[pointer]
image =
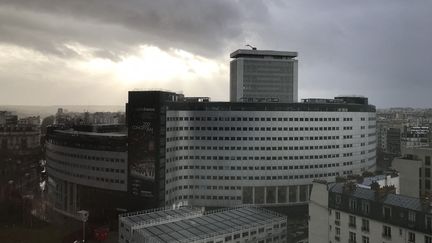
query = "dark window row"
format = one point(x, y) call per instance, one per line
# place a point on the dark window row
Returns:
point(86, 167)
point(225, 178)
point(171, 129)
point(252, 168)
point(275, 119)
point(96, 178)
point(208, 138)
point(197, 157)
point(83, 156)
point(250, 148)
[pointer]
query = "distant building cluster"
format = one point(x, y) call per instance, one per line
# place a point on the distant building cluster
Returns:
point(65, 118)
point(400, 128)
point(8, 118)
point(20, 152)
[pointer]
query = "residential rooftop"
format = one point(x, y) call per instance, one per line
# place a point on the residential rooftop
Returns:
point(390, 199)
point(81, 133)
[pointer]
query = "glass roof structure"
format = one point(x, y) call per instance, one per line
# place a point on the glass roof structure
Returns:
point(190, 224)
point(139, 219)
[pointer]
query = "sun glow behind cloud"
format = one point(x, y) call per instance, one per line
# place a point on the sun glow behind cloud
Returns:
point(91, 77)
point(149, 64)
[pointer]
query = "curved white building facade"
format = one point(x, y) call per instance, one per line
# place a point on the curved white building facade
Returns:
point(95, 168)
point(85, 167)
point(221, 157)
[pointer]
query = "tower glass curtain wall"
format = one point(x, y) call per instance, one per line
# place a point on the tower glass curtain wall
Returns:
point(261, 75)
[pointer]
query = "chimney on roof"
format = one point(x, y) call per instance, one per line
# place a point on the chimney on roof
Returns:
point(426, 201)
point(375, 186)
point(382, 192)
point(349, 187)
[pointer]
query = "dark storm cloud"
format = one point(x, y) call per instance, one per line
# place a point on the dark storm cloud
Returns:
point(202, 27)
point(381, 49)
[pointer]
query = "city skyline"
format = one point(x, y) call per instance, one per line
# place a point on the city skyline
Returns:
point(94, 52)
point(215, 121)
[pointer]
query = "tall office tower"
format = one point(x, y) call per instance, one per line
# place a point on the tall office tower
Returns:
point(263, 75)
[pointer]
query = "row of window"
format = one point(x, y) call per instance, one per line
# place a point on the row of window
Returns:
point(100, 144)
point(81, 176)
point(204, 197)
point(17, 143)
point(254, 168)
point(320, 119)
point(363, 206)
point(260, 200)
point(85, 166)
point(249, 158)
point(202, 187)
point(171, 129)
point(306, 138)
point(240, 178)
point(88, 157)
point(386, 230)
point(254, 195)
point(20, 130)
point(255, 148)
point(352, 224)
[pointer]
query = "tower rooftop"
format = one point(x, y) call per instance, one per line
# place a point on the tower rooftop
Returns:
point(261, 53)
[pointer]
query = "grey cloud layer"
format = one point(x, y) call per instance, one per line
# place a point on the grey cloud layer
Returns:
point(376, 48)
point(381, 49)
point(203, 27)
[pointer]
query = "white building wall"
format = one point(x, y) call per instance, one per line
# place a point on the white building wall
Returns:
point(220, 171)
point(408, 176)
point(391, 181)
point(87, 167)
point(318, 213)
point(415, 169)
point(374, 234)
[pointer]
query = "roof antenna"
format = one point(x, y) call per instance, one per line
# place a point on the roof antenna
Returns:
point(253, 47)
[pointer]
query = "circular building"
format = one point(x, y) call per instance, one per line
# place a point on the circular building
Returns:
point(86, 170)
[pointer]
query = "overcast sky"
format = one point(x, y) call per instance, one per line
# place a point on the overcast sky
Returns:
point(93, 51)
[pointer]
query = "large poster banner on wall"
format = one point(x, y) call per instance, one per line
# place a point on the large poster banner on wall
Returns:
point(142, 150)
